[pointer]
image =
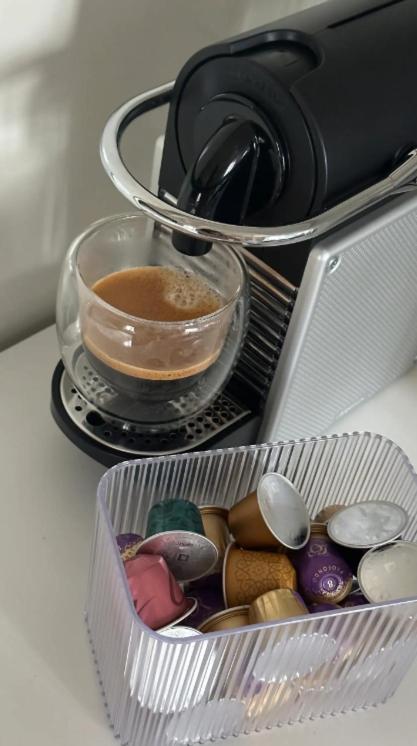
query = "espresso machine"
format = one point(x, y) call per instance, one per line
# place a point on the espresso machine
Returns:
point(294, 146)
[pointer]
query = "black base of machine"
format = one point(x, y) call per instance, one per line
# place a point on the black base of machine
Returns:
point(225, 423)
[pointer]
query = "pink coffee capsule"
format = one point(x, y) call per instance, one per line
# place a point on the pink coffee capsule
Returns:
point(157, 597)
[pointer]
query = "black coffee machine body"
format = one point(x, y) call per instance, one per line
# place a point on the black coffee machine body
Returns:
point(327, 93)
point(294, 142)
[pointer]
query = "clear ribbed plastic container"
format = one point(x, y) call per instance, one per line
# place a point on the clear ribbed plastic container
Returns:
point(167, 691)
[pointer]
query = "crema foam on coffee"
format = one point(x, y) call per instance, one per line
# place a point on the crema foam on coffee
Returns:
point(158, 293)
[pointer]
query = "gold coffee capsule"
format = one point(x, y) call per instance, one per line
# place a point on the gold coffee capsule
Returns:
point(326, 513)
point(247, 525)
point(273, 516)
point(227, 619)
point(318, 528)
point(279, 604)
point(247, 574)
point(216, 529)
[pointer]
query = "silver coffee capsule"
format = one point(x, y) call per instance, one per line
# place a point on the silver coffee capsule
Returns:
point(188, 555)
point(191, 665)
point(367, 524)
point(379, 666)
point(283, 510)
point(294, 658)
point(191, 607)
point(389, 573)
point(179, 632)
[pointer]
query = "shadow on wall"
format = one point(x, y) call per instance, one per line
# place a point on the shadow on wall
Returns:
point(63, 68)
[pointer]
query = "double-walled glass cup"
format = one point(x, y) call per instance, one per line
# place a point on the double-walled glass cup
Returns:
point(147, 370)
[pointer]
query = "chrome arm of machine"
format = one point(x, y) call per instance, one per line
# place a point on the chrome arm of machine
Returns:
point(402, 178)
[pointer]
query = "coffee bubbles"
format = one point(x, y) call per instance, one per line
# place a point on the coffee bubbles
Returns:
point(159, 293)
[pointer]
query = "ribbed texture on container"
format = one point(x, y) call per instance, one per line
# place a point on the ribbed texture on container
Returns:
point(160, 691)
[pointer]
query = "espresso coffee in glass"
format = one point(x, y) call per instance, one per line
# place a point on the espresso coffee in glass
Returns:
point(152, 320)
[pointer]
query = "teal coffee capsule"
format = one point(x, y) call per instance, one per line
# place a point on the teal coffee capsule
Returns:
point(175, 531)
point(174, 515)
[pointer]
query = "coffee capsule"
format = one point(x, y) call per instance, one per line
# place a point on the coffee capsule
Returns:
point(273, 516)
point(279, 604)
point(128, 545)
point(367, 524)
point(318, 527)
point(327, 512)
point(188, 555)
point(179, 632)
point(389, 572)
point(216, 529)
point(247, 574)
point(174, 515)
point(377, 667)
point(320, 608)
point(208, 593)
point(263, 698)
point(175, 531)
point(157, 597)
point(323, 574)
point(351, 556)
point(294, 657)
point(362, 671)
point(192, 664)
point(226, 619)
point(354, 599)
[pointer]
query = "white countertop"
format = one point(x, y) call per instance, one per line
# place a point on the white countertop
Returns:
point(49, 694)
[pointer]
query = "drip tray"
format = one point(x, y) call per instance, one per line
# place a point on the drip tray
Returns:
point(133, 439)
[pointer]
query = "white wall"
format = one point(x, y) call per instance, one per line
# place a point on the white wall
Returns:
point(64, 65)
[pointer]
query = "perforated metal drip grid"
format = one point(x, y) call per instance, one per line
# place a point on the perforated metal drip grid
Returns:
point(134, 438)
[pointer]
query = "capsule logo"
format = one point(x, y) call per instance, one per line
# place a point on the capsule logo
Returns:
point(317, 549)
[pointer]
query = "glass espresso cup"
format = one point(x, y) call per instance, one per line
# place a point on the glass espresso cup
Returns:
point(144, 359)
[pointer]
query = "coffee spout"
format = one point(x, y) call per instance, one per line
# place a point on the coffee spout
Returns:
point(220, 183)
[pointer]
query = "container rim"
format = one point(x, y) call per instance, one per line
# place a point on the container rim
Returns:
point(254, 447)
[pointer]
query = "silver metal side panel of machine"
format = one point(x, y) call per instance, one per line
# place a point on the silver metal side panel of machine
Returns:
point(354, 325)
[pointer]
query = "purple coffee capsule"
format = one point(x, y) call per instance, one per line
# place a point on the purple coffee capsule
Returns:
point(208, 592)
point(323, 575)
point(128, 545)
point(354, 599)
point(317, 608)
